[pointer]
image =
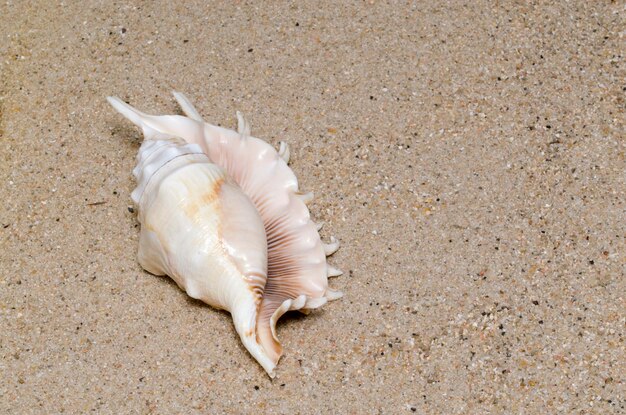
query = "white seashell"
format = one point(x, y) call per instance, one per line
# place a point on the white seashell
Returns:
point(198, 227)
point(297, 268)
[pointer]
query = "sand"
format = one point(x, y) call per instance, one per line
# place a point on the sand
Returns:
point(470, 158)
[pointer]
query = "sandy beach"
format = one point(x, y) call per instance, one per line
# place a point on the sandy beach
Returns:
point(469, 157)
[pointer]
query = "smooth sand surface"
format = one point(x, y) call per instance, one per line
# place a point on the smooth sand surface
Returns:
point(470, 158)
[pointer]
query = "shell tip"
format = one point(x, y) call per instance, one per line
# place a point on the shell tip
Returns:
point(187, 106)
point(333, 295)
point(284, 151)
point(243, 127)
point(332, 247)
point(332, 271)
point(305, 197)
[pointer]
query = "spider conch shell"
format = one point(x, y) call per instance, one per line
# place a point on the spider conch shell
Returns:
point(198, 227)
point(297, 269)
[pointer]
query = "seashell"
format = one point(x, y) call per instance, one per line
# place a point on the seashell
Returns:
point(297, 277)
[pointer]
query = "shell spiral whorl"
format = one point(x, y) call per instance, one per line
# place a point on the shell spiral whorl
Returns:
point(155, 154)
